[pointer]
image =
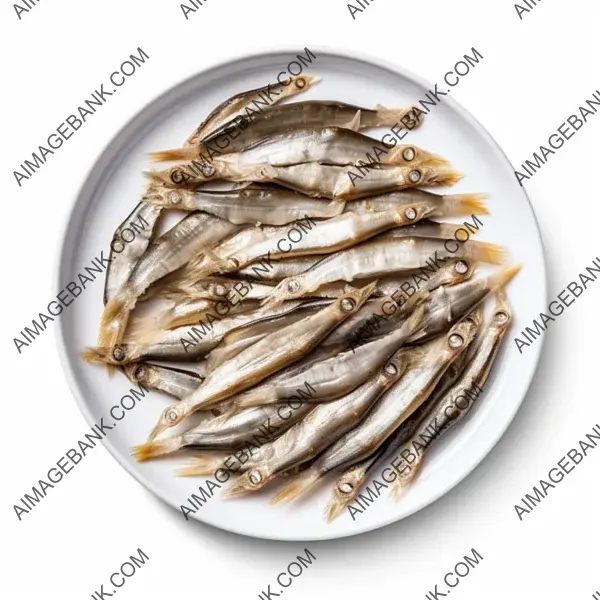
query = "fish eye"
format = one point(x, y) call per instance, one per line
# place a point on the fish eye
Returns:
point(118, 354)
point(176, 175)
point(255, 477)
point(220, 290)
point(501, 317)
point(415, 176)
point(461, 267)
point(410, 213)
point(300, 83)
point(454, 413)
point(391, 369)
point(345, 487)
point(234, 262)
point(139, 372)
point(207, 170)
point(175, 198)
point(455, 341)
point(409, 154)
point(293, 287)
point(348, 304)
point(172, 416)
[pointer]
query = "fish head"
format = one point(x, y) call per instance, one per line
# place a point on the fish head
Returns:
point(458, 339)
point(426, 174)
point(502, 314)
point(140, 373)
point(300, 83)
point(171, 416)
point(415, 156)
point(120, 354)
point(350, 302)
point(169, 197)
point(459, 270)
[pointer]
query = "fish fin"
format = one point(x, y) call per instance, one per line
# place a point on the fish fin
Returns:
point(204, 465)
point(389, 117)
point(300, 485)
point(153, 449)
point(461, 205)
point(488, 253)
point(115, 317)
point(244, 485)
point(187, 153)
point(97, 354)
point(354, 123)
point(501, 278)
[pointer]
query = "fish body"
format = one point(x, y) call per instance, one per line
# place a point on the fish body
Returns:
point(333, 182)
point(124, 254)
point(289, 117)
point(233, 111)
point(448, 205)
point(381, 258)
point(177, 383)
point(327, 145)
point(255, 205)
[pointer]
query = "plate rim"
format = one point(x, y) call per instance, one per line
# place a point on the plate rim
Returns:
point(91, 180)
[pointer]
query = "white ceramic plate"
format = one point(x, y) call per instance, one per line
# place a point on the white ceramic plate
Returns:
point(113, 188)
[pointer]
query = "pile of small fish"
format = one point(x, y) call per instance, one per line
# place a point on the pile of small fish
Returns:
point(349, 297)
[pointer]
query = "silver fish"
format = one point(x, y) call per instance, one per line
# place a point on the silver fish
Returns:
point(254, 205)
point(425, 369)
point(189, 343)
point(178, 383)
point(448, 411)
point(381, 257)
point(327, 145)
point(448, 205)
point(123, 261)
point(288, 117)
point(333, 182)
point(233, 111)
point(264, 358)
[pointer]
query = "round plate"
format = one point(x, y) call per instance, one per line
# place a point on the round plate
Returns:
point(113, 188)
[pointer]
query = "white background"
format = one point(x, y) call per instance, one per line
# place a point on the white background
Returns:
point(535, 74)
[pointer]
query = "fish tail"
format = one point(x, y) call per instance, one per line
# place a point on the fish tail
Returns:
point(245, 485)
point(153, 449)
point(115, 317)
point(387, 117)
point(461, 205)
point(445, 177)
point(204, 465)
point(187, 153)
point(501, 278)
point(488, 253)
point(97, 354)
point(300, 485)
